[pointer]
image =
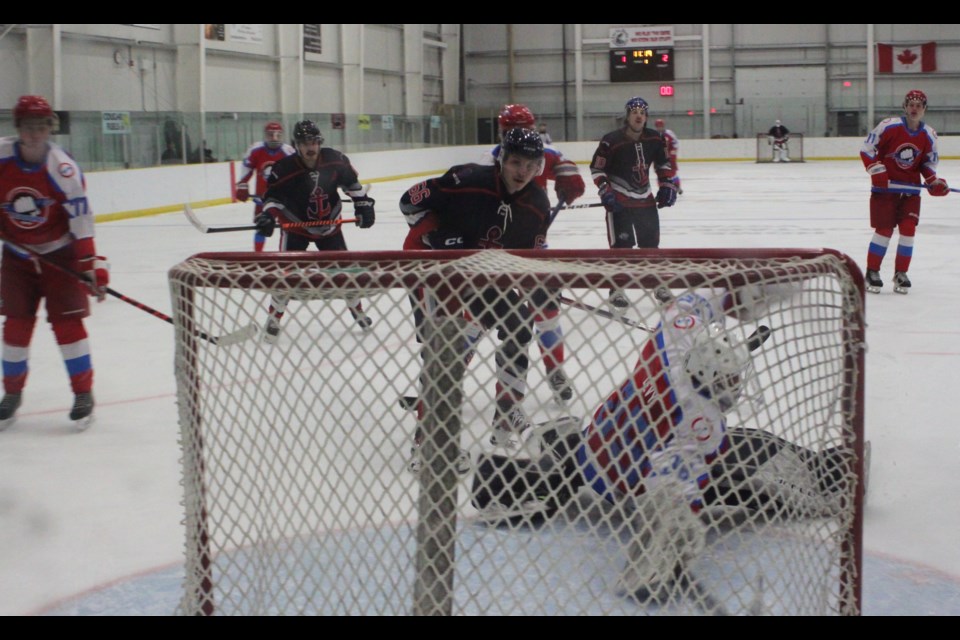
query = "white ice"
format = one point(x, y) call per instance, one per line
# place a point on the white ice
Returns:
point(82, 513)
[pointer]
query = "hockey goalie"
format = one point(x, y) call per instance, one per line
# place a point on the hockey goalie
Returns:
point(658, 450)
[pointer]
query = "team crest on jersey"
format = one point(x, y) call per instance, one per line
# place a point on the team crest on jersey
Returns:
point(906, 155)
point(66, 170)
point(27, 208)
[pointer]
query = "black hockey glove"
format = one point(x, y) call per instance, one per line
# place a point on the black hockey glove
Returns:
point(609, 199)
point(667, 194)
point(266, 223)
point(363, 207)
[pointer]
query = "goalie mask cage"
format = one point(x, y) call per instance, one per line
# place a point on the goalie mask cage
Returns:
point(300, 496)
point(794, 148)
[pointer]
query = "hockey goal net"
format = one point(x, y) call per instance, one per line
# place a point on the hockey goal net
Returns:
point(302, 494)
point(765, 148)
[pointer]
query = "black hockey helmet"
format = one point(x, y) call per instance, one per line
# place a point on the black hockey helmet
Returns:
point(524, 142)
point(307, 131)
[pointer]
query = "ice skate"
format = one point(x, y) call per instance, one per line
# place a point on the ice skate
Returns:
point(512, 430)
point(618, 300)
point(82, 411)
point(663, 295)
point(560, 385)
point(901, 283)
point(362, 319)
point(271, 331)
point(874, 283)
point(463, 463)
point(8, 409)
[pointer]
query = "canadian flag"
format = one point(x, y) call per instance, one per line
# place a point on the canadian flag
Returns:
point(909, 59)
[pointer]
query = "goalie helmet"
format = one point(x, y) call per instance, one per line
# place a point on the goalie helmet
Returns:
point(718, 367)
point(523, 142)
point(33, 107)
point(514, 116)
point(307, 131)
point(916, 95)
point(273, 134)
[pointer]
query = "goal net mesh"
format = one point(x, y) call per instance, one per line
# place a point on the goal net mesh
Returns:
point(303, 492)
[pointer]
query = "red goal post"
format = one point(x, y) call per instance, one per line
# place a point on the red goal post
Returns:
point(794, 148)
point(299, 498)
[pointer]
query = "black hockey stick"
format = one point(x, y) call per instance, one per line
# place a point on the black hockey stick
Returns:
point(82, 277)
point(192, 217)
point(576, 304)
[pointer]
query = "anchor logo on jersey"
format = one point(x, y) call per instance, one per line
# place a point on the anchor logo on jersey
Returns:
point(317, 207)
point(27, 208)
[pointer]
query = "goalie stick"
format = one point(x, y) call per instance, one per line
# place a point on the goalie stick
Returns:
point(231, 338)
point(192, 217)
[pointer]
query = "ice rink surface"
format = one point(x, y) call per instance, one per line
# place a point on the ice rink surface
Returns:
point(90, 524)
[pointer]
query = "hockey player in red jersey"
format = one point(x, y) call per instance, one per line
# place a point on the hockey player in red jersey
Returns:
point(568, 186)
point(497, 206)
point(673, 149)
point(45, 209)
point(904, 150)
point(259, 159)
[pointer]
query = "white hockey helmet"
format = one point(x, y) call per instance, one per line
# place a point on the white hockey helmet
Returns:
point(718, 366)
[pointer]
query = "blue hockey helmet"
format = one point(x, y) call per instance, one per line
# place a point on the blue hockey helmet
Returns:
point(636, 102)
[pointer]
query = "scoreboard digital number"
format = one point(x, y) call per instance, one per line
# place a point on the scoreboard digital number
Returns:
point(641, 65)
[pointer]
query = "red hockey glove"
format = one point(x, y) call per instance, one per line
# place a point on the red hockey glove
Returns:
point(569, 188)
point(878, 176)
point(243, 191)
point(97, 272)
point(937, 186)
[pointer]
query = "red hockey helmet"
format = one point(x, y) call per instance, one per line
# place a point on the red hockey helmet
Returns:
point(915, 94)
point(33, 107)
point(659, 123)
point(513, 116)
point(273, 134)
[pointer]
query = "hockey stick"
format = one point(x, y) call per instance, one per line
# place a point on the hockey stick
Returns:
point(192, 217)
point(915, 186)
point(576, 304)
point(235, 337)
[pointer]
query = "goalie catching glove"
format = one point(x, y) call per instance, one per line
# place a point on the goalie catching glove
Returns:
point(363, 208)
point(937, 186)
point(667, 194)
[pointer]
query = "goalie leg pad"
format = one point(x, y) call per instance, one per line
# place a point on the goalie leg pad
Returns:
point(665, 538)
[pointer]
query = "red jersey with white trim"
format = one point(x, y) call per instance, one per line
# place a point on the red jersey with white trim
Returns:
point(261, 158)
point(908, 155)
point(673, 146)
point(43, 206)
point(656, 426)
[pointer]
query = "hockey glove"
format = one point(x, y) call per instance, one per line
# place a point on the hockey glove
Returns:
point(937, 186)
point(569, 188)
point(440, 239)
point(363, 207)
point(667, 194)
point(609, 199)
point(97, 273)
point(878, 176)
point(243, 191)
point(266, 223)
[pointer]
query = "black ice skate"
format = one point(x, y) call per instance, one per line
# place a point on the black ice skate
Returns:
point(82, 411)
point(901, 283)
point(561, 387)
point(8, 409)
point(874, 283)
